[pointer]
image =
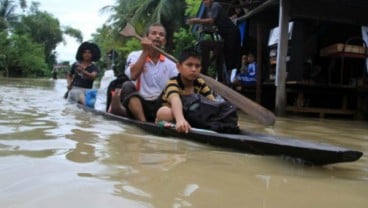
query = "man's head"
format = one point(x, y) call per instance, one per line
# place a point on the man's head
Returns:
point(157, 34)
point(189, 64)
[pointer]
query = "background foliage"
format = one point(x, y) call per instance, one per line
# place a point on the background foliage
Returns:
point(29, 38)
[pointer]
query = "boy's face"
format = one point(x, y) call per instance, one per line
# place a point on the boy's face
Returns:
point(190, 68)
point(250, 58)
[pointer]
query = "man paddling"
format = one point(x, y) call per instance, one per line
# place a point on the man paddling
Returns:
point(150, 70)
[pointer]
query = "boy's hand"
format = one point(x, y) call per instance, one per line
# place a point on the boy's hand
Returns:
point(182, 126)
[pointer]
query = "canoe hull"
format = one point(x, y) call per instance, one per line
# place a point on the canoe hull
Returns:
point(312, 153)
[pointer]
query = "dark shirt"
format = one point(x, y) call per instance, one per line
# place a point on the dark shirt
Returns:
point(79, 80)
point(221, 19)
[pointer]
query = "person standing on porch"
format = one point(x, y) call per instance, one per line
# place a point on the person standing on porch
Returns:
point(215, 15)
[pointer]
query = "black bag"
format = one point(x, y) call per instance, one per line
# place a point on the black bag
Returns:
point(204, 113)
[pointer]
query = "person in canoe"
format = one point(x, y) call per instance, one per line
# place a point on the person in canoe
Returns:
point(188, 101)
point(83, 72)
point(149, 70)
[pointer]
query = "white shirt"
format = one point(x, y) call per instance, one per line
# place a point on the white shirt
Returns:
point(102, 91)
point(154, 77)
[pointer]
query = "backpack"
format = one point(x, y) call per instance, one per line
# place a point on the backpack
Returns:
point(204, 113)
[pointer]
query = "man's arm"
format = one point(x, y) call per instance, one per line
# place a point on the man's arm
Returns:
point(202, 21)
point(137, 67)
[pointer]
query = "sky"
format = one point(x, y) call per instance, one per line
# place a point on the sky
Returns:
point(84, 15)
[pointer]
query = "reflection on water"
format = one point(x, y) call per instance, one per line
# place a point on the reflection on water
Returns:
point(53, 154)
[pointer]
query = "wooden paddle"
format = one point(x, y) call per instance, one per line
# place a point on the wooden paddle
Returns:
point(244, 104)
point(69, 88)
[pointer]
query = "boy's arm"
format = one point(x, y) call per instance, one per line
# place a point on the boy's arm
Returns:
point(182, 125)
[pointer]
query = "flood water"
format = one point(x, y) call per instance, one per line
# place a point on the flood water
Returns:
point(53, 154)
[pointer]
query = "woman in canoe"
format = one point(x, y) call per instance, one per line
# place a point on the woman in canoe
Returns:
point(83, 73)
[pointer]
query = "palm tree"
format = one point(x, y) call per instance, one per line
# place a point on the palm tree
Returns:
point(141, 13)
point(8, 17)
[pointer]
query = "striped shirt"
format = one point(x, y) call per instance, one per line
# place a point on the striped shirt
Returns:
point(176, 86)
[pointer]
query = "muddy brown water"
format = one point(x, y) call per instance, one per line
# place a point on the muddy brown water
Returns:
point(53, 154)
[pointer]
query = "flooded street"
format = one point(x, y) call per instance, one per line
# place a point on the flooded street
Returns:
point(53, 154)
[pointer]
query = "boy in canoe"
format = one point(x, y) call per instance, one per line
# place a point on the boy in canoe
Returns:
point(188, 101)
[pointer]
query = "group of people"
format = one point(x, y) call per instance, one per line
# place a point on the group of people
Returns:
point(247, 72)
point(154, 86)
point(240, 70)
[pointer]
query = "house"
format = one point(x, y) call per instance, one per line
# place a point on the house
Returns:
point(316, 62)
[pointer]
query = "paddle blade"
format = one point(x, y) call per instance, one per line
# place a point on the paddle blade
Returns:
point(244, 104)
point(66, 95)
point(128, 31)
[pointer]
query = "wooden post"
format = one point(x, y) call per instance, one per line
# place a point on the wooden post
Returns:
point(282, 48)
point(259, 63)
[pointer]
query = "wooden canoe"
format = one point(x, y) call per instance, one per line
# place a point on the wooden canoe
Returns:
point(307, 152)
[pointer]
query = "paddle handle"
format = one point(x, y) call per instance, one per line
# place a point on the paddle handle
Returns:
point(66, 94)
point(69, 88)
point(172, 58)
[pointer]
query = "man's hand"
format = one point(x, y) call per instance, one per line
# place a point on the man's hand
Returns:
point(193, 21)
point(146, 44)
